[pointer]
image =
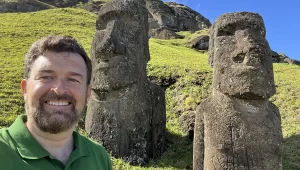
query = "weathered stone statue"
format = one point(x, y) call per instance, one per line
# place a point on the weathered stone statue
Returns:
point(126, 112)
point(237, 127)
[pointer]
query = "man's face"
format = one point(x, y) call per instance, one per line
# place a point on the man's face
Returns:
point(242, 60)
point(56, 91)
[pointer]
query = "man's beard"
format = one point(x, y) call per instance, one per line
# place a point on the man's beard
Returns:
point(55, 121)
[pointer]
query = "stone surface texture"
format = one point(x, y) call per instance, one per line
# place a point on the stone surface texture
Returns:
point(237, 127)
point(282, 58)
point(200, 43)
point(94, 6)
point(126, 112)
point(243, 66)
point(22, 6)
point(176, 16)
point(64, 3)
point(165, 33)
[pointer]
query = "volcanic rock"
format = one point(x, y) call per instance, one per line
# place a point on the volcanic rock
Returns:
point(126, 112)
point(237, 127)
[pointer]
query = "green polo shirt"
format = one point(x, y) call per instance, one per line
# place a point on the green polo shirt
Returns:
point(20, 151)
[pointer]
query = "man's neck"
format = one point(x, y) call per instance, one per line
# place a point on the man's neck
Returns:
point(58, 145)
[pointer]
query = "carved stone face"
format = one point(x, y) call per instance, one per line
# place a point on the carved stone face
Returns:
point(241, 56)
point(119, 50)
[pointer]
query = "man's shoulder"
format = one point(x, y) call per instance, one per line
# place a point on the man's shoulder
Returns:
point(93, 146)
point(4, 135)
point(8, 153)
point(3, 130)
point(96, 152)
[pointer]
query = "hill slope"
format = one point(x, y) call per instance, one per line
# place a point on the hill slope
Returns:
point(183, 71)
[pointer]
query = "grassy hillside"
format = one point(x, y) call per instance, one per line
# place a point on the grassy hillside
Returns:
point(21, 5)
point(18, 32)
point(185, 71)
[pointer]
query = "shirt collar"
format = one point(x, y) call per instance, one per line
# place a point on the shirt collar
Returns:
point(80, 146)
point(29, 148)
point(26, 145)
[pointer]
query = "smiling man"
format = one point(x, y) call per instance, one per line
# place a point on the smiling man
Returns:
point(56, 89)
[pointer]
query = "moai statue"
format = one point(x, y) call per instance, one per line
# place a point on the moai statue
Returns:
point(237, 127)
point(126, 113)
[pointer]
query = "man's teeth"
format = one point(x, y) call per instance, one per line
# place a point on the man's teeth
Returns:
point(58, 103)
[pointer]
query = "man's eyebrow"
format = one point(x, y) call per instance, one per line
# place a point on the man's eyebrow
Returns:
point(45, 71)
point(76, 74)
point(71, 73)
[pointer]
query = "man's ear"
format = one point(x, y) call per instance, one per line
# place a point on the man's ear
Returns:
point(89, 92)
point(23, 86)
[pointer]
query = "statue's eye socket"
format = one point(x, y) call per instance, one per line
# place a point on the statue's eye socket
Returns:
point(226, 32)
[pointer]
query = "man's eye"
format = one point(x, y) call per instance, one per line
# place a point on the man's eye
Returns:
point(46, 78)
point(73, 80)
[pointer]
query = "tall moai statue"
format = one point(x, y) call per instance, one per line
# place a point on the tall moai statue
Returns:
point(126, 112)
point(237, 127)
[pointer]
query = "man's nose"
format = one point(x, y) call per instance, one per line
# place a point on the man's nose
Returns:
point(60, 87)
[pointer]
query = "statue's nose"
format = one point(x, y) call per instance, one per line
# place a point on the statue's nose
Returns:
point(249, 48)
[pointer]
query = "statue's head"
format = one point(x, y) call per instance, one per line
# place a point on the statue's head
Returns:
point(120, 47)
point(241, 56)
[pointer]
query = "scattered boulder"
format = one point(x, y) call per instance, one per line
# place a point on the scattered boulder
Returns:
point(187, 122)
point(94, 6)
point(188, 19)
point(153, 24)
point(165, 33)
point(23, 6)
point(291, 61)
point(200, 43)
point(176, 16)
point(286, 59)
point(163, 82)
point(36, 5)
point(276, 58)
point(282, 58)
point(64, 3)
point(126, 112)
point(237, 127)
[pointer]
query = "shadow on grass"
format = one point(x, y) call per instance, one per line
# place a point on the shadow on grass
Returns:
point(291, 153)
point(178, 154)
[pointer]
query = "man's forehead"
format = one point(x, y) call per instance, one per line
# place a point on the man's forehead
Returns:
point(59, 54)
point(59, 59)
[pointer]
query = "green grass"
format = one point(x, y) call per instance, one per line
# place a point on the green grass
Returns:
point(18, 32)
point(170, 59)
point(287, 99)
point(174, 59)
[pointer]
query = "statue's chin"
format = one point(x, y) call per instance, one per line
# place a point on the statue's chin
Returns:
point(250, 95)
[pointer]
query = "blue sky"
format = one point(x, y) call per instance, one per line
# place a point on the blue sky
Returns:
point(281, 17)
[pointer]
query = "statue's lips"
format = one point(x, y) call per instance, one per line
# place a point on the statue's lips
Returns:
point(241, 69)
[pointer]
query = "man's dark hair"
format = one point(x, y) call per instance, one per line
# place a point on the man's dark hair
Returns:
point(56, 43)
